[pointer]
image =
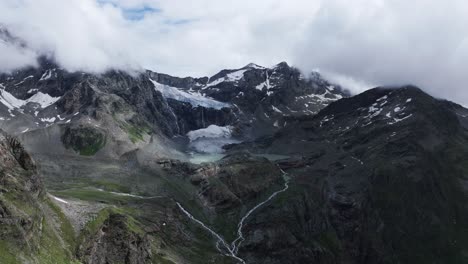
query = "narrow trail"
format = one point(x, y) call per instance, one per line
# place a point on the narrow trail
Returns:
point(130, 195)
point(232, 249)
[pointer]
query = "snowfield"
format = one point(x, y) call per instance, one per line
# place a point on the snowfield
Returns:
point(43, 99)
point(11, 102)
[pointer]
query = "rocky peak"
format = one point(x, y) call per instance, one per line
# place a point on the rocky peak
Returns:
point(281, 65)
point(390, 106)
point(253, 66)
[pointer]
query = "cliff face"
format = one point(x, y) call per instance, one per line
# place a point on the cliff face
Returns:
point(28, 234)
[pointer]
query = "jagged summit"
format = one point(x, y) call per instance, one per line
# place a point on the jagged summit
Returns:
point(253, 66)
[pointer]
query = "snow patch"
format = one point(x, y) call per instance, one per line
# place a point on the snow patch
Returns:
point(10, 101)
point(382, 98)
point(230, 77)
point(321, 97)
point(235, 76)
point(59, 200)
point(261, 86)
point(325, 119)
point(30, 76)
point(396, 120)
point(358, 160)
point(276, 109)
point(49, 120)
point(47, 75)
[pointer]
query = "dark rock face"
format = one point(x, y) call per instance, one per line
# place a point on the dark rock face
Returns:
point(20, 191)
point(193, 118)
point(235, 180)
point(15, 160)
point(115, 242)
point(377, 178)
point(139, 92)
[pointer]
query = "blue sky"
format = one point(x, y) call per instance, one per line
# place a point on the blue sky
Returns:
point(134, 12)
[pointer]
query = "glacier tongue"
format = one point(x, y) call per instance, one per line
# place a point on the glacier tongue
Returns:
point(212, 131)
point(211, 139)
point(195, 99)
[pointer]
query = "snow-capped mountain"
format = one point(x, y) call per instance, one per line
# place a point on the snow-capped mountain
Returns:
point(262, 96)
point(254, 101)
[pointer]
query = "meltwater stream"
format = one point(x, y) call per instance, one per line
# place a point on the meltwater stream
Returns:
point(233, 249)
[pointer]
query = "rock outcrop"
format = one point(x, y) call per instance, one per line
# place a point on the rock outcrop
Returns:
point(117, 240)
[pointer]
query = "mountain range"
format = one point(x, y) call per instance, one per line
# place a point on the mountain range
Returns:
point(251, 165)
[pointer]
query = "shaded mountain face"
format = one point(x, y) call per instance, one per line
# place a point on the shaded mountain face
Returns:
point(378, 178)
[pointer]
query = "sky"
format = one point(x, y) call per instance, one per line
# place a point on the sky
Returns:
point(358, 44)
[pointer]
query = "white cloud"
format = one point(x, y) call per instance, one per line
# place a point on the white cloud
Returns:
point(13, 57)
point(424, 42)
point(392, 42)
